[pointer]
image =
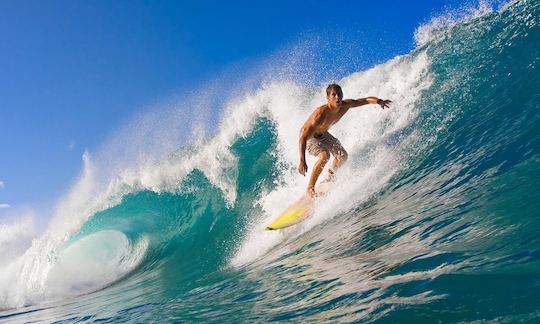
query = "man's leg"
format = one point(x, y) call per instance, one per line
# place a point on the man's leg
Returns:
point(324, 156)
point(340, 157)
point(334, 147)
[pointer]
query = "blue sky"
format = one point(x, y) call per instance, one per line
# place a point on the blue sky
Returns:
point(71, 72)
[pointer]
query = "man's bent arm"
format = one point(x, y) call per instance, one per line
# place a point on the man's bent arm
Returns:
point(302, 142)
point(305, 132)
point(302, 146)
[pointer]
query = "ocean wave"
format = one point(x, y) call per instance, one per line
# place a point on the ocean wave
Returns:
point(439, 191)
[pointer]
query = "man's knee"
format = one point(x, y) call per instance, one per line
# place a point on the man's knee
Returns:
point(324, 156)
point(342, 156)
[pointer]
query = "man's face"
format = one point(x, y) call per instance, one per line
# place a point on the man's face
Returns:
point(334, 97)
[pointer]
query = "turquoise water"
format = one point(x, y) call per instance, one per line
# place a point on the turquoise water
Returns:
point(434, 219)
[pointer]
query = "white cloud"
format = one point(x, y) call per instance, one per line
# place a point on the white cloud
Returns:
point(1, 184)
point(71, 145)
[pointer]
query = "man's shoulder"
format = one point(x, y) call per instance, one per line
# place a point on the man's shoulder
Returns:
point(319, 111)
point(321, 108)
point(316, 115)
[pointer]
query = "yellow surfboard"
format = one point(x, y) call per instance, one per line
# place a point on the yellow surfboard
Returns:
point(299, 210)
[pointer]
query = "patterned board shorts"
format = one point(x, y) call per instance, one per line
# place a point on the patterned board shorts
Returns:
point(324, 142)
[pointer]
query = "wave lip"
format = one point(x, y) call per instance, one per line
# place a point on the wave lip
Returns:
point(86, 265)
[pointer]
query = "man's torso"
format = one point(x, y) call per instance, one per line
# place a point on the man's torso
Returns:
point(324, 118)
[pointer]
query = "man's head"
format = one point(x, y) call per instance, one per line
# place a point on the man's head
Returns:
point(334, 94)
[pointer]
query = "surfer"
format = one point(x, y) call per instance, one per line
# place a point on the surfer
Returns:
point(319, 142)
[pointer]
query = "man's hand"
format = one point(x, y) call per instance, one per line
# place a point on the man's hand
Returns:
point(302, 167)
point(384, 103)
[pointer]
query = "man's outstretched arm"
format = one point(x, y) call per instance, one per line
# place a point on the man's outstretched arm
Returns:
point(352, 103)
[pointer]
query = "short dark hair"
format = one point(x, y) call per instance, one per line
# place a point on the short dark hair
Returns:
point(333, 86)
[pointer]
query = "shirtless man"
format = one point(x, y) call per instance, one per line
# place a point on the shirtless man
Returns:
point(314, 134)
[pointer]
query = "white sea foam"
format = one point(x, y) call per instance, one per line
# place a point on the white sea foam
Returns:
point(16, 236)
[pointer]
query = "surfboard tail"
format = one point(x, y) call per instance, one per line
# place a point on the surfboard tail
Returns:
point(298, 211)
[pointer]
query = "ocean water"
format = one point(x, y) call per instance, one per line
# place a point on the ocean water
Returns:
point(435, 217)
